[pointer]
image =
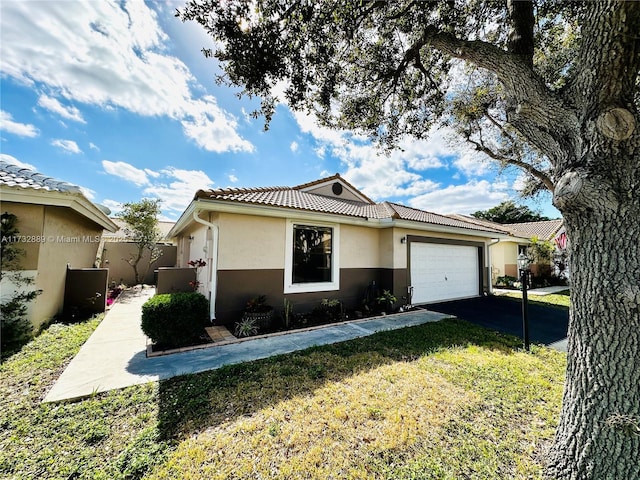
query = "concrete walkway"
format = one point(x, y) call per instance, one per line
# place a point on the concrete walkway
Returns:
point(115, 354)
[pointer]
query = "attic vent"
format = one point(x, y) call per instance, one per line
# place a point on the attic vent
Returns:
point(336, 188)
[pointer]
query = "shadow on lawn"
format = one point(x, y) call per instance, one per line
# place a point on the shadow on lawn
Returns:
point(193, 403)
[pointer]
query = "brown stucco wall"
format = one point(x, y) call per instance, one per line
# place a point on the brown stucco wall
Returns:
point(235, 287)
point(172, 280)
point(84, 292)
point(115, 256)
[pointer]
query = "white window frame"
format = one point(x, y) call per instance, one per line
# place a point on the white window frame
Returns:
point(334, 284)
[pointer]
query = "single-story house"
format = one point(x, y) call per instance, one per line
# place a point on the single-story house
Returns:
point(326, 239)
point(59, 228)
point(117, 248)
point(505, 252)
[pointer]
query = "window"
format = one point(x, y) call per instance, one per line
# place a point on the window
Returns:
point(311, 258)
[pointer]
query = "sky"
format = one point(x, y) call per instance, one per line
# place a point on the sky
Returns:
point(117, 98)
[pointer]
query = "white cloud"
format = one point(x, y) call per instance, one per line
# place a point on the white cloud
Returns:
point(93, 146)
point(472, 163)
point(211, 128)
point(14, 161)
point(465, 199)
point(233, 178)
point(294, 146)
point(152, 173)
point(66, 145)
point(174, 186)
point(87, 192)
point(53, 105)
point(179, 188)
point(21, 129)
point(112, 205)
point(113, 55)
point(380, 176)
point(126, 171)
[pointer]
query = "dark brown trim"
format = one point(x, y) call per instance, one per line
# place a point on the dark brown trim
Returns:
point(235, 287)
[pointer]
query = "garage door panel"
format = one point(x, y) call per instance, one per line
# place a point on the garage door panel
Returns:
point(443, 272)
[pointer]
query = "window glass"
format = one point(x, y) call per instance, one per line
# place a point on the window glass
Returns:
point(312, 250)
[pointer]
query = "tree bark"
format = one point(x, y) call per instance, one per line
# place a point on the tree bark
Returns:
point(590, 133)
point(598, 436)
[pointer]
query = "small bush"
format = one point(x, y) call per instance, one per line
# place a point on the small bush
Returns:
point(175, 319)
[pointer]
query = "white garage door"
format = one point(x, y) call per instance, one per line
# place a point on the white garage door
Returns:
point(443, 272)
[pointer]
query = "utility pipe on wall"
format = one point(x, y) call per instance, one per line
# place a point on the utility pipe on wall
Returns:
point(213, 252)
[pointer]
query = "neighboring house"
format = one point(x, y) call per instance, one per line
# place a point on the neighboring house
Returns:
point(549, 230)
point(59, 228)
point(326, 239)
point(118, 247)
point(505, 252)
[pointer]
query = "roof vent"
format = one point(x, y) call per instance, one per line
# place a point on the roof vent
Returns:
point(336, 188)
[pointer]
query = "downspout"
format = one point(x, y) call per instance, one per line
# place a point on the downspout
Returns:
point(495, 241)
point(213, 281)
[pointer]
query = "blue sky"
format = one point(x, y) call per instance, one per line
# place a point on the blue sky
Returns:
point(117, 97)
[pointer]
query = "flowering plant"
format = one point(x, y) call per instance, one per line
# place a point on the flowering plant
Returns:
point(195, 284)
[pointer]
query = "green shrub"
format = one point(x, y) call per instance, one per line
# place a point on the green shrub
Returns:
point(175, 319)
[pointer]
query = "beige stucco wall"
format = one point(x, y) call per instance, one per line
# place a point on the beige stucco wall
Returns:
point(498, 252)
point(359, 247)
point(250, 242)
point(327, 190)
point(506, 263)
point(71, 239)
point(30, 224)
point(115, 256)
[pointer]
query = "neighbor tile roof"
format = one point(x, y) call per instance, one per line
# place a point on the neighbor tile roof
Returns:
point(15, 176)
point(478, 221)
point(544, 229)
point(292, 197)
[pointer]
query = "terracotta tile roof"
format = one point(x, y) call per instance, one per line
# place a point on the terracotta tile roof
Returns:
point(292, 197)
point(480, 222)
point(545, 229)
point(15, 176)
point(408, 213)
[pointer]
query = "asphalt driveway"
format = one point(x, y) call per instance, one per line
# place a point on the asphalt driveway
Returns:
point(547, 324)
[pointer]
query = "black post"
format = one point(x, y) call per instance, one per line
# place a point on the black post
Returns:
point(525, 312)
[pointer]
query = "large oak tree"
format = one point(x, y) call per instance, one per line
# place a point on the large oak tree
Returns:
point(555, 92)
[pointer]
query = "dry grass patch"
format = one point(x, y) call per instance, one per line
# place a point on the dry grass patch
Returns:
point(473, 411)
point(335, 432)
point(447, 400)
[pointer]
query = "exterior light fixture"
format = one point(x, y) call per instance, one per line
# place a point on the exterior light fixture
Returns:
point(523, 268)
point(403, 240)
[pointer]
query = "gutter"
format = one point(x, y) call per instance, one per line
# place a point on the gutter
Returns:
point(212, 250)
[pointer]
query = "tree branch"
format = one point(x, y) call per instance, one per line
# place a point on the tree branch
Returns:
point(542, 117)
point(543, 177)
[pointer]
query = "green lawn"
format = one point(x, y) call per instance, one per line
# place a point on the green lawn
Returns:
point(446, 400)
point(560, 299)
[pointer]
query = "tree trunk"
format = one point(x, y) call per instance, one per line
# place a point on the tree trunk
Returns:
point(599, 432)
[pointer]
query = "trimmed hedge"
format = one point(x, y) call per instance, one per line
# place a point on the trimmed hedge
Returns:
point(175, 319)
